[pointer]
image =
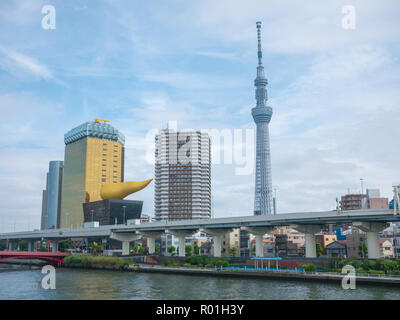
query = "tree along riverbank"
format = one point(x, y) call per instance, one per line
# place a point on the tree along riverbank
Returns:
point(98, 262)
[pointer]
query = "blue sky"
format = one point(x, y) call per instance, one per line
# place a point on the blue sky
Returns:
point(139, 64)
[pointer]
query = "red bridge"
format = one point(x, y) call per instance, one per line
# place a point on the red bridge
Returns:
point(49, 256)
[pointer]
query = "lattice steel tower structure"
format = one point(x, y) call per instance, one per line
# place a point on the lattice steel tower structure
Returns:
point(262, 116)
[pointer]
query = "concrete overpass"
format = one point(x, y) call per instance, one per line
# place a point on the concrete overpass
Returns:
point(372, 221)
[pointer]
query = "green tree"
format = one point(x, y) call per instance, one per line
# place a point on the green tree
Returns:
point(2, 245)
point(196, 249)
point(188, 251)
point(157, 249)
point(318, 248)
point(142, 250)
point(96, 247)
point(172, 250)
point(253, 250)
point(65, 245)
point(22, 245)
point(309, 267)
point(363, 249)
point(233, 251)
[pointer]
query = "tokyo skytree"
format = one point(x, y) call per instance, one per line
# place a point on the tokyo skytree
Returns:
point(262, 116)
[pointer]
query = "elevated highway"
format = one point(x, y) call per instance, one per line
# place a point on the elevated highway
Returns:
point(372, 221)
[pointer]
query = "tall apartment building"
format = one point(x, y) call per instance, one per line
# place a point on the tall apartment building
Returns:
point(51, 201)
point(182, 175)
point(94, 155)
point(354, 201)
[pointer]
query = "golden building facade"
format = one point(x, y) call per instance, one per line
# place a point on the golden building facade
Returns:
point(94, 155)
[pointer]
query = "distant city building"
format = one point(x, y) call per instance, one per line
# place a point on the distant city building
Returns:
point(145, 218)
point(44, 204)
point(51, 201)
point(94, 155)
point(373, 193)
point(339, 234)
point(370, 200)
point(375, 201)
point(262, 114)
point(378, 203)
point(354, 202)
point(182, 175)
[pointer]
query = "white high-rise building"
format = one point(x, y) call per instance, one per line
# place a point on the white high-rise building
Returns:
point(182, 175)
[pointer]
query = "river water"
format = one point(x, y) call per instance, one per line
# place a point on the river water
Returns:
point(99, 284)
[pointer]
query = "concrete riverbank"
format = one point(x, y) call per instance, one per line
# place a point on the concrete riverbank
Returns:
point(318, 277)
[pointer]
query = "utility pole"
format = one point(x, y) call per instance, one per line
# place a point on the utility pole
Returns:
point(274, 202)
point(396, 199)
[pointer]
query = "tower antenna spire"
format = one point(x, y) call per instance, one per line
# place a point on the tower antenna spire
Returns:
point(259, 53)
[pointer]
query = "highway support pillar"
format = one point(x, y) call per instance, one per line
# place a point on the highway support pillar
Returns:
point(151, 239)
point(372, 229)
point(10, 245)
point(30, 245)
point(309, 236)
point(54, 245)
point(259, 232)
point(182, 234)
point(125, 238)
point(217, 238)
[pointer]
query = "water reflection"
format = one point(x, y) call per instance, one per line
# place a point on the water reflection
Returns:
point(98, 284)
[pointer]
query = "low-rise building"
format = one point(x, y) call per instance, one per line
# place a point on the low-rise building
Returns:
point(230, 240)
point(386, 248)
point(206, 249)
point(203, 243)
point(396, 246)
point(354, 237)
point(325, 240)
point(269, 247)
point(336, 249)
point(288, 242)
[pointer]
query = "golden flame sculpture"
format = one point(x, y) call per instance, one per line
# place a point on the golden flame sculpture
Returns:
point(123, 189)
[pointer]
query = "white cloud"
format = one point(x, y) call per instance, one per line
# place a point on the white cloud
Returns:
point(20, 65)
